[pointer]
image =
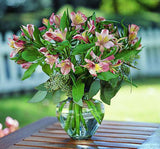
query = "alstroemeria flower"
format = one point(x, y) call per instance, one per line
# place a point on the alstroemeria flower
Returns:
point(1, 131)
point(78, 19)
point(45, 21)
point(43, 50)
point(16, 44)
point(96, 68)
point(11, 123)
point(26, 65)
point(104, 40)
point(91, 26)
point(30, 29)
point(82, 36)
point(56, 35)
point(134, 41)
point(99, 66)
point(42, 28)
point(56, 19)
point(99, 19)
point(133, 30)
point(51, 59)
point(66, 66)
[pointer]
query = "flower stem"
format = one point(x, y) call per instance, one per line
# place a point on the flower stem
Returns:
point(60, 110)
point(82, 119)
point(77, 117)
point(93, 111)
point(69, 117)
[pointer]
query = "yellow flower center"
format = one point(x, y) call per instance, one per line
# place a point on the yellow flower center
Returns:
point(78, 19)
point(97, 67)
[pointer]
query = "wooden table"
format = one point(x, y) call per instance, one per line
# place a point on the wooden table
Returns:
point(47, 133)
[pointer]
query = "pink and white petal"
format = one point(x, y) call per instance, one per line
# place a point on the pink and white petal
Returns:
point(1, 126)
point(109, 58)
point(109, 44)
point(13, 53)
point(93, 72)
point(104, 33)
point(104, 66)
point(51, 19)
point(65, 70)
point(6, 131)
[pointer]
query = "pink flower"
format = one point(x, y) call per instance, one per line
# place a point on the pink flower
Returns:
point(11, 122)
point(43, 50)
point(1, 134)
point(91, 26)
point(66, 66)
point(134, 41)
point(82, 36)
point(99, 19)
point(56, 19)
point(26, 65)
point(29, 29)
point(6, 131)
point(133, 30)
point(96, 68)
point(42, 28)
point(104, 40)
point(78, 19)
point(51, 59)
point(16, 44)
point(56, 35)
point(99, 66)
point(45, 21)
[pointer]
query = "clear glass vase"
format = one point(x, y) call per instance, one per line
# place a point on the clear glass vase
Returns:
point(80, 122)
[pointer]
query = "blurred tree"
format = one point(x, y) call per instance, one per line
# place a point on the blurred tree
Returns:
point(129, 7)
point(149, 7)
point(95, 4)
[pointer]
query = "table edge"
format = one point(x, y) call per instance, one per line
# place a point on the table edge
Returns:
point(9, 140)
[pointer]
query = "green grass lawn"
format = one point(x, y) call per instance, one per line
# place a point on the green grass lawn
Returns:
point(130, 104)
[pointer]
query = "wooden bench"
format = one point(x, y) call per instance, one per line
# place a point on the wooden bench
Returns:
point(47, 133)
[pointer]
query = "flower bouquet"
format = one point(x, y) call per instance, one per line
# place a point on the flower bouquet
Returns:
point(82, 56)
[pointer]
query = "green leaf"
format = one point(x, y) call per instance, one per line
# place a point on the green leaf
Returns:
point(58, 96)
point(95, 86)
point(111, 53)
point(36, 35)
point(63, 22)
point(39, 96)
point(82, 48)
point(29, 71)
point(78, 92)
point(30, 55)
point(126, 55)
point(46, 68)
point(26, 33)
point(79, 70)
point(41, 87)
point(94, 17)
point(65, 43)
point(106, 76)
point(108, 91)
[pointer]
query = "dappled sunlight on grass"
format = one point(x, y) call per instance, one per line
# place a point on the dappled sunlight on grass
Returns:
point(130, 104)
point(138, 104)
point(24, 112)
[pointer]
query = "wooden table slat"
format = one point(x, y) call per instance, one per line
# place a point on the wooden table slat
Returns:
point(61, 145)
point(118, 127)
point(94, 139)
point(47, 133)
point(131, 136)
point(127, 123)
point(102, 131)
